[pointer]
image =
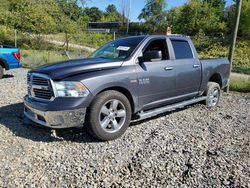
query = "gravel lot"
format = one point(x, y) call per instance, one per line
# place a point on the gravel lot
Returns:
point(192, 147)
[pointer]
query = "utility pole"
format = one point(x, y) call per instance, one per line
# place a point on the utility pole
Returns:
point(234, 36)
point(123, 11)
point(15, 31)
point(129, 7)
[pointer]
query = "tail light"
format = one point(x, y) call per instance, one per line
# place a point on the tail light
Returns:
point(17, 55)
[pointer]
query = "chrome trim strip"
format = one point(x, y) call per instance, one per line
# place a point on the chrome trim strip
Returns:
point(40, 87)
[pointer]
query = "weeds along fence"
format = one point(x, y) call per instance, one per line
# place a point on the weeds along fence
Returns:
point(42, 41)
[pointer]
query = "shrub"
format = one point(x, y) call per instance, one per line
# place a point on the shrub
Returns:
point(92, 39)
point(209, 47)
point(6, 35)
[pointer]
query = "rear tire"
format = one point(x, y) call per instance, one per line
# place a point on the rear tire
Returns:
point(213, 93)
point(109, 115)
point(1, 72)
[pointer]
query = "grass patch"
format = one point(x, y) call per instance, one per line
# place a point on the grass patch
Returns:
point(244, 69)
point(239, 84)
point(35, 58)
point(94, 40)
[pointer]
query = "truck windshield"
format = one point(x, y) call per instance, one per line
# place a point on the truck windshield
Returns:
point(118, 49)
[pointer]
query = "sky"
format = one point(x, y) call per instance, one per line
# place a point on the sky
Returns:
point(136, 5)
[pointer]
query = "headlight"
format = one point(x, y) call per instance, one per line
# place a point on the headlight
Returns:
point(70, 89)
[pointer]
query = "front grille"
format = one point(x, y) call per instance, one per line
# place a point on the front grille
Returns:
point(39, 81)
point(28, 78)
point(43, 94)
point(39, 86)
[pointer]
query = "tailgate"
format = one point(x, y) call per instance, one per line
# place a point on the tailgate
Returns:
point(11, 56)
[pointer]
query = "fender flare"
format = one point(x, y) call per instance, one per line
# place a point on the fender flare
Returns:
point(217, 78)
point(124, 90)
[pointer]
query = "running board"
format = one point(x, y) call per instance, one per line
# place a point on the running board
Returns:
point(144, 115)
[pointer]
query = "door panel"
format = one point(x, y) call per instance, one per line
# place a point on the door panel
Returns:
point(188, 70)
point(188, 77)
point(156, 82)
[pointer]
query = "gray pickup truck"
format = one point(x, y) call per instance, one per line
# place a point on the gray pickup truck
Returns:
point(127, 79)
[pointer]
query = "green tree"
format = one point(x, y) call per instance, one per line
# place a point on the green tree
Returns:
point(69, 17)
point(33, 16)
point(195, 16)
point(69, 28)
point(154, 15)
point(244, 27)
point(217, 5)
point(4, 5)
point(111, 14)
point(174, 17)
point(70, 8)
point(111, 8)
point(4, 12)
point(94, 14)
point(245, 18)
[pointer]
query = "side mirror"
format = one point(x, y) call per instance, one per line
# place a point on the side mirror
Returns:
point(154, 55)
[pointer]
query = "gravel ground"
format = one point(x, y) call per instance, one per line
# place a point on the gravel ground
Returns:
point(192, 147)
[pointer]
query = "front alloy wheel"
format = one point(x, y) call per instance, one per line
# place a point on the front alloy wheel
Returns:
point(112, 116)
point(109, 115)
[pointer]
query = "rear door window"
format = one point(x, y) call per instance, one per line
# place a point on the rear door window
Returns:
point(182, 49)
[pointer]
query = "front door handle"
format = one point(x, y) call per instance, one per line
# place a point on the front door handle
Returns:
point(196, 66)
point(168, 68)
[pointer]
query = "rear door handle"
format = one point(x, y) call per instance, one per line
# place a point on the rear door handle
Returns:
point(196, 66)
point(168, 68)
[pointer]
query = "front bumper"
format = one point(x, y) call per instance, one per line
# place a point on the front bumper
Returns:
point(55, 119)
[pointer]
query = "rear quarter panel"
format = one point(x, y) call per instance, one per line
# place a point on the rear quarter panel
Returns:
point(211, 67)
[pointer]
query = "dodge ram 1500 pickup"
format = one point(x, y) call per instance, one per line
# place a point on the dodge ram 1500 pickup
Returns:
point(9, 58)
point(127, 79)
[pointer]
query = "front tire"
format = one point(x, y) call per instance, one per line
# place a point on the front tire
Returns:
point(213, 93)
point(1, 72)
point(109, 115)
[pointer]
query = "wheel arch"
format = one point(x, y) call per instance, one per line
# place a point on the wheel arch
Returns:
point(216, 77)
point(125, 92)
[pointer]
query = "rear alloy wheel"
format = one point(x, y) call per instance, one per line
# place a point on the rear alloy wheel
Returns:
point(109, 115)
point(213, 94)
point(1, 72)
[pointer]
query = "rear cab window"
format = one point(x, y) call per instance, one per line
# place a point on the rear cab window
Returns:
point(182, 49)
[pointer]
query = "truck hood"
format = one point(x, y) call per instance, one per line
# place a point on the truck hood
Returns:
point(68, 68)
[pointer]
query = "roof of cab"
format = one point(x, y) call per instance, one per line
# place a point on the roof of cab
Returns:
point(176, 36)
